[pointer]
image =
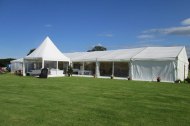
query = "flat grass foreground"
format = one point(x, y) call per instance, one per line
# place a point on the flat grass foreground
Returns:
point(28, 101)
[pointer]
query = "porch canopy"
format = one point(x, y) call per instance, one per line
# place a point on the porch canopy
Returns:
point(46, 52)
point(16, 65)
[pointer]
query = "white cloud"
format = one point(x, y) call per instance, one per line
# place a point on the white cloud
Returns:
point(178, 30)
point(186, 22)
point(158, 33)
point(106, 35)
point(48, 25)
point(182, 30)
point(145, 36)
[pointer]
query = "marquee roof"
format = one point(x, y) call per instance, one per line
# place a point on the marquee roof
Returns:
point(146, 53)
point(158, 53)
point(48, 51)
point(17, 60)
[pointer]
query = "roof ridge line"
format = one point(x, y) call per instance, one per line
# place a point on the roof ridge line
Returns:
point(180, 51)
point(138, 52)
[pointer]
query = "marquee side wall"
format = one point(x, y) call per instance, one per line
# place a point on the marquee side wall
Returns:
point(151, 70)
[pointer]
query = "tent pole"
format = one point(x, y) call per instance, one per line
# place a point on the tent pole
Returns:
point(23, 68)
point(71, 64)
point(97, 69)
point(83, 68)
point(42, 63)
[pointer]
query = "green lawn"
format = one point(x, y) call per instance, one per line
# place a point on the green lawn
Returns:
point(28, 101)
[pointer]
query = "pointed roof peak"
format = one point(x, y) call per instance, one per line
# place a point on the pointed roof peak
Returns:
point(47, 39)
point(48, 51)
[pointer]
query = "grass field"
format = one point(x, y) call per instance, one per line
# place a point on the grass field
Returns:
point(27, 101)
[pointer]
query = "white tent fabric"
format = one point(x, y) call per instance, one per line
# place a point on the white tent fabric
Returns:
point(182, 65)
point(45, 54)
point(147, 53)
point(48, 51)
point(165, 62)
point(151, 70)
point(17, 60)
point(112, 55)
point(149, 63)
point(16, 65)
point(158, 53)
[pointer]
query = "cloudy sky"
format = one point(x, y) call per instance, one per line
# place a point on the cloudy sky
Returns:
point(78, 25)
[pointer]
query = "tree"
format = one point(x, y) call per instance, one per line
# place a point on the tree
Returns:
point(5, 62)
point(32, 50)
point(97, 48)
